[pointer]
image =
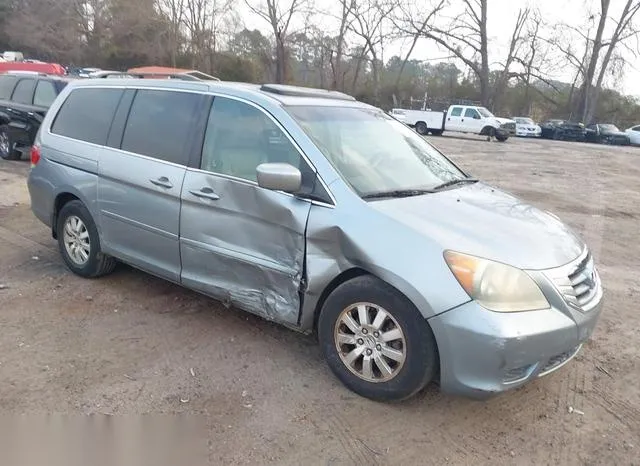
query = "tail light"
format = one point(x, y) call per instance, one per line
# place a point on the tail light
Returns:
point(35, 155)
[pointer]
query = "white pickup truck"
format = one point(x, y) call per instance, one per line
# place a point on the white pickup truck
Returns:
point(459, 118)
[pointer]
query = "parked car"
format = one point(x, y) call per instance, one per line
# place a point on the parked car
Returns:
point(32, 67)
point(607, 134)
point(268, 198)
point(634, 135)
point(525, 127)
point(24, 100)
point(462, 119)
point(562, 129)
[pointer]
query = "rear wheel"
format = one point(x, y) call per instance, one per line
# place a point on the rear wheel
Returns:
point(421, 128)
point(79, 242)
point(7, 151)
point(375, 341)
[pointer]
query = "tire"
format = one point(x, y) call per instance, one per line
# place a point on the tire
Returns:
point(502, 138)
point(421, 128)
point(6, 145)
point(436, 132)
point(81, 234)
point(415, 355)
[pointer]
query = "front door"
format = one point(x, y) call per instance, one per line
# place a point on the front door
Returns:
point(240, 243)
point(21, 112)
point(472, 120)
point(140, 183)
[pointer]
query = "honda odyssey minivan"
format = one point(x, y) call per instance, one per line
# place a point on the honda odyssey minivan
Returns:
point(324, 214)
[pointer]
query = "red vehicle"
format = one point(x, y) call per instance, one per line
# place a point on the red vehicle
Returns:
point(46, 68)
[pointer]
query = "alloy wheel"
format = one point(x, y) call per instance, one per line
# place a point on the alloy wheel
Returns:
point(76, 240)
point(370, 342)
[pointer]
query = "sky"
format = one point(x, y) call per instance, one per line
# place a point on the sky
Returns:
point(502, 15)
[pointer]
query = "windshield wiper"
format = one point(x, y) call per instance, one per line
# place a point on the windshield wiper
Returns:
point(396, 193)
point(453, 183)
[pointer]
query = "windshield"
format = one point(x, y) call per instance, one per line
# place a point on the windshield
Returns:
point(485, 113)
point(524, 121)
point(373, 152)
point(609, 128)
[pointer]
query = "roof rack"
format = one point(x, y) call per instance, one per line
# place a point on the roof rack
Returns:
point(298, 91)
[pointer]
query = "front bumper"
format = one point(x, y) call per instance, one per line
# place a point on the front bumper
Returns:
point(529, 134)
point(483, 353)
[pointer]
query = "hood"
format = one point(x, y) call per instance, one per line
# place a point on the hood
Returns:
point(504, 120)
point(480, 220)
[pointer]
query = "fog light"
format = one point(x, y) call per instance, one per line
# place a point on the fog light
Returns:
point(517, 374)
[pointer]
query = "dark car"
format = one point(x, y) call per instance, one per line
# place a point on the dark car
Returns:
point(607, 134)
point(25, 98)
point(562, 129)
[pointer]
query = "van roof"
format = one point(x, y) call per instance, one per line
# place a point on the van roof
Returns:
point(284, 94)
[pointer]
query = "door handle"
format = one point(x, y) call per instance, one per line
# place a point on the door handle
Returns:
point(205, 193)
point(163, 181)
point(30, 113)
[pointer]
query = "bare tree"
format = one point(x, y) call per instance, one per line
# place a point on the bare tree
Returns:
point(336, 56)
point(592, 59)
point(279, 17)
point(369, 17)
point(174, 11)
point(415, 26)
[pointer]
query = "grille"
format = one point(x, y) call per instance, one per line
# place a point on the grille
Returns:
point(578, 282)
point(557, 361)
point(509, 126)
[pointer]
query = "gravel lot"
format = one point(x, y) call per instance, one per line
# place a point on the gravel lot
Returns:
point(130, 343)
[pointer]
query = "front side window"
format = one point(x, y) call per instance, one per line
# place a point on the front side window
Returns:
point(86, 114)
point(45, 94)
point(7, 84)
point(240, 137)
point(471, 113)
point(23, 93)
point(373, 152)
point(636, 128)
point(160, 125)
point(456, 111)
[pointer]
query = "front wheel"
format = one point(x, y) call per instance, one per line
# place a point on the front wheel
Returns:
point(375, 340)
point(501, 138)
point(79, 242)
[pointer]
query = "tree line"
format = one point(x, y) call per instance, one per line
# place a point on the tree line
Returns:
point(345, 46)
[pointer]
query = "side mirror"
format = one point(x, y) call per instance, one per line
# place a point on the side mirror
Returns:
point(279, 177)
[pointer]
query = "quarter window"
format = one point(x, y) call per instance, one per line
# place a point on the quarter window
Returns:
point(45, 94)
point(7, 84)
point(240, 137)
point(86, 115)
point(23, 93)
point(457, 111)
point(160, 125)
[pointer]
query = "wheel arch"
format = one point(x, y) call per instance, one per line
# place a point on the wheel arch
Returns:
point(486, 130)
point(60, 201)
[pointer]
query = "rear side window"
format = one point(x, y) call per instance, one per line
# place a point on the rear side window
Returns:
point(457, 111)
point(45, 94)
point(7, 84)
point(23, 93)
point(86, 114)
point(160, 124)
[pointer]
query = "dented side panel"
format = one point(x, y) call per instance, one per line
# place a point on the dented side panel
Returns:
point(246, 248)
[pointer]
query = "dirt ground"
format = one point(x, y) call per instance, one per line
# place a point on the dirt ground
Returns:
point(130, 343)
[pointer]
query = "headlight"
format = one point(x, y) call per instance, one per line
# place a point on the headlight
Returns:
point(497, 287)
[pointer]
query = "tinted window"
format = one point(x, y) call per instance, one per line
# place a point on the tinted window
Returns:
point(240, 137)
point(23, 92)
point(45, 94)
point(86, 114)
point(637, 128)
point(471, 113)
point(7, 83)
point(457, 111)
point(159, 125)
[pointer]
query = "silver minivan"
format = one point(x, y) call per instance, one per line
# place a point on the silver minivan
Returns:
point(324, 214)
